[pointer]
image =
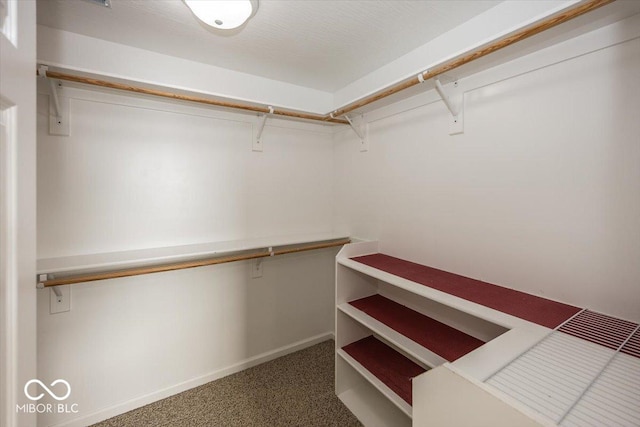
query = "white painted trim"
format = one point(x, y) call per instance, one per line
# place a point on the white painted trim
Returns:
point(138, 402)
point(9, 271)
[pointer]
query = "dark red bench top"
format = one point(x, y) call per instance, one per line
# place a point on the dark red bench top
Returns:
point(535, 309)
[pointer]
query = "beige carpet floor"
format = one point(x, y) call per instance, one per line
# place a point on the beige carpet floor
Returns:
point(294, 390)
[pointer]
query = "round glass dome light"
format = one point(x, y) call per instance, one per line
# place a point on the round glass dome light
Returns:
point(223, 14)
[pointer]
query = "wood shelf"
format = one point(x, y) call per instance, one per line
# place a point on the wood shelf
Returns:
point(385, 368)
point(433, 336)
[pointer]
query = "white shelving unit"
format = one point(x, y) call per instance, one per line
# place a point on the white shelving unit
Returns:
point(368, 396)
point(392, 329)
point(410, 347)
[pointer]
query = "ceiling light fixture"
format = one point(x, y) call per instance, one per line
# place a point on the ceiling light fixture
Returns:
point(223, 14)
point(105, 3)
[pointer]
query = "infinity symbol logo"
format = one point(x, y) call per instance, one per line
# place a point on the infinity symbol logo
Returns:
point(52, 394)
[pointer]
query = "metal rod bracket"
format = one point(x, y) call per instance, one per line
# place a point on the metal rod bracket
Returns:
point(257, 142)
point(58, 105)
point(59, 295)
point(56, 290)
point(455, 106)
point(42, 278)
point(362, 131)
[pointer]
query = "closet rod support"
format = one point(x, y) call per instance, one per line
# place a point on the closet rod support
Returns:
point(53, 90)
point(42, 278)
point(455, 107)
point(445, 98)
point(355, 129)
point(56, 290)
point(58, 105)
point(257, 143)
point(40, 281)
point(361, 132)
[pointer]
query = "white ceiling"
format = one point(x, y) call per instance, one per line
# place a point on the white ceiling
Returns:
point(320, 44)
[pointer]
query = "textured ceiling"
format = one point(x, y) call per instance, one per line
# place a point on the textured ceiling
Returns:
point(321, 44)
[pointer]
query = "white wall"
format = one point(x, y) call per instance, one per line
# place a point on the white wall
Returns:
point(91, 55)
point(542, 191)
point(539, 194)
point(87, 54)
point(493, 24)
point(136, 173)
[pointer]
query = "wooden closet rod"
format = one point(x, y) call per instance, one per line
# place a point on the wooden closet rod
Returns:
point(550, 22)
point(189, 98)
point(334, 117)
point(91, 277)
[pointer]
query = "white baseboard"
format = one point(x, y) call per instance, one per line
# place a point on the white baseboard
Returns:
point(138, 402)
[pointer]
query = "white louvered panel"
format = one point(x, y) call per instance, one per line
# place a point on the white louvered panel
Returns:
point(613, 399)
point(632, 346)
point(586, 373)
point(553, 374)
point(599, 328)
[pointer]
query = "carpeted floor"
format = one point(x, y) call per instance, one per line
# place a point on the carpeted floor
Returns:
point(294, 390)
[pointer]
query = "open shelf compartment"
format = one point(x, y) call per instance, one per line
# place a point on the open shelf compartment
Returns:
point(414, 322)
point(445, 341)
point(388, 370)
point(368, 398)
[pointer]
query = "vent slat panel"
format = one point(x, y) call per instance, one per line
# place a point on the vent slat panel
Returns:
point(522, 395)
point(599, 328)
point(574, 359)
point(545, 388)
point(632, 346)
point(611, 401)
point(586, 373)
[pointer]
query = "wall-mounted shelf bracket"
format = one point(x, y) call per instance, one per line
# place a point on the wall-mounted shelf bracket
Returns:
point(454, 101)
point(59, 297)
point(56, 290)
point(58, 105)
point(41, 279)
point(256, 268)
point(361, 130)
point(257, 142)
